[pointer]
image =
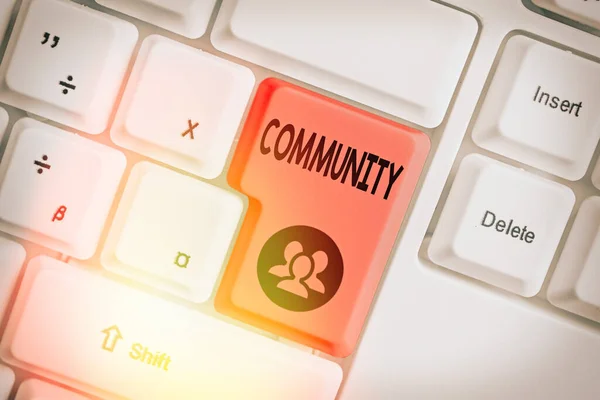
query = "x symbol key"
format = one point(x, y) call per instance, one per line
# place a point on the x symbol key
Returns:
point(190, 129)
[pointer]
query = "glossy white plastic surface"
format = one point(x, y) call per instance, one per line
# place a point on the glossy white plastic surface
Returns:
point(541, 108)
point(185, 17)
point(574, 285)
point(109, 339)
point(183, 106)
point(34, 389)
point(12, 257)
point(501, 225)
point(402, 57)
point(56, 188)
point(66, 63)
point(172, 231)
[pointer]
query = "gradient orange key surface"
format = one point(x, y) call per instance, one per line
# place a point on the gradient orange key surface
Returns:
point(328, 186)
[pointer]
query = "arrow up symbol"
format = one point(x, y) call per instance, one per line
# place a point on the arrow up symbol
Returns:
point(113, 334)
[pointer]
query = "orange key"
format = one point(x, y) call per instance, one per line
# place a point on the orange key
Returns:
point(328, 186)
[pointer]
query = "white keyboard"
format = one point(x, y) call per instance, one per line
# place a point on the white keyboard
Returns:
point(266, 199)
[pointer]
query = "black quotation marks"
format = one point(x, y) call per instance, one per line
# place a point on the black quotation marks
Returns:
point(55, 40)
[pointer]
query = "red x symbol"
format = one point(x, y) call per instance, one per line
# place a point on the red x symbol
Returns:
point(190, 129)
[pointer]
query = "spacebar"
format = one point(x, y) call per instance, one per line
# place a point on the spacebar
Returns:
point(86, 331)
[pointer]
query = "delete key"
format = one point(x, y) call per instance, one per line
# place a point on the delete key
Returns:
point(328, 188)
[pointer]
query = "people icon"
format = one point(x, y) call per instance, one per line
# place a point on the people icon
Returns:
point(300, 268)
point(300, 272)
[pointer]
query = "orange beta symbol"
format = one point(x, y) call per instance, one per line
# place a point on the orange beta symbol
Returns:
point(59, 215)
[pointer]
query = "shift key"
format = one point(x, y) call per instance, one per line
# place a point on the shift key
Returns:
point(83, 330)
point(329, 186)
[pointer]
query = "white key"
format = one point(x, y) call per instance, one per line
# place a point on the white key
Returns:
point(6, 9)
point(596, 175)
point(575, 285)
point(57, 187)
point(7, 380)
point(196, 101)
point(34, 389)
point(501, 225)
point(12, 257)
point(542, 108)
point(186, 17)
point(103, 337)
point(584, 11)
point(66, 62)
point(172, 232)
point(403, 57)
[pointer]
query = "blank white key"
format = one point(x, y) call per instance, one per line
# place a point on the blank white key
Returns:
point(57, 187)
point(7, 380)
point(12, 257)
point(196, 101)
point(403, 57)
point(575, 285)
point(103, 337)
point(172, 231)
point(186, 17)
point(584, 11)
point(542, 108)
point(66, 62)
point(34, 389)
point(501, 225)
point(6, 8)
